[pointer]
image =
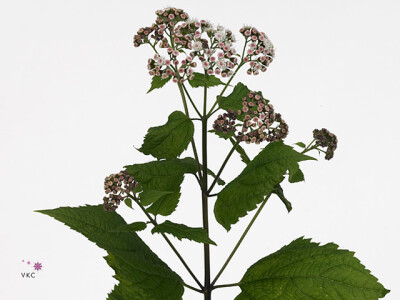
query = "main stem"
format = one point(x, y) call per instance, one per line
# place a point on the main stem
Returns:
point(207, 270)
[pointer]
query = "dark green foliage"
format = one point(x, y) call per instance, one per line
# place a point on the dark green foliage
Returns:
point(181, 231)
point(157, 82)
point(305, 270)
point(198, 80)
point(169, 140)
point(234, 100)
point(141, 273)
point(256, 181)
point(135, 226)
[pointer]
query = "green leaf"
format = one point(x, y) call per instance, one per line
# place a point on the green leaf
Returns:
point(128, 202)
point(295, 174)
point(234, 100)
point(256, 181)
point(148, 197)
point(133, 227)
point(305, 270)
point(157, 82)
point(169, 140)
point(163, 176)
point(223, 135)
point(142, 274)
point(279, 192)
point(116, 293)
point(181, 231)
point(198, 80)
point(301, 144)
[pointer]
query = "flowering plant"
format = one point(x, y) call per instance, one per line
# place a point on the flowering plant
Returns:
point(200, 55)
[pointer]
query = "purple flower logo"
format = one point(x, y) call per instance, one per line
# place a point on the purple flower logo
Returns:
point(37, 266)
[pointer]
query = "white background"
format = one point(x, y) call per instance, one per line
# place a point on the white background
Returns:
point(73, 104)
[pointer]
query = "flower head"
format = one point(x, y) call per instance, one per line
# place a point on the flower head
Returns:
point(326, 139)
point(260, 50)
point(117, 187)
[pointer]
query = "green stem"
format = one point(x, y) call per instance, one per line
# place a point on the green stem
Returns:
point(191, 101)
point(225, 285)
point(223, 90)
point(207, 269)
point(222, 167)
point(196, 156)
point(192, 288)
point(240, 241)
point(154, 222)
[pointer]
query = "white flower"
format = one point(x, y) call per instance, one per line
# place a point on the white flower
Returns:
point(197, 46)
point(160, 61)
point(220, 35)
point(221, 64)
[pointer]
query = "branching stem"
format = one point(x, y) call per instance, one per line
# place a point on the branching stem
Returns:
point(154, 222)
point(222, 167)
point(240, 241)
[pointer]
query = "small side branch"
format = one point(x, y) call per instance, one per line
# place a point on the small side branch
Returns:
point(154, 222)
point(239, 242)
point(225, 285)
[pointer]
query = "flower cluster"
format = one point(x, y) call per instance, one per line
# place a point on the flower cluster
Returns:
point(225, 123)
point(117, 187)
point(213, 46)
point(324, 138)
point(258, 118)
point(164, 67)
point(167, 18)
point(260, 52)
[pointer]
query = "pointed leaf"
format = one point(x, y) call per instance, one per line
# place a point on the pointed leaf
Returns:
point(295, 174)
point(157, 82)
point(163, 176)
point(133, 227)
point(234, 100)
point(256, 181)
point(198, 80)
point(305, 270)
point(181, 231)
point(142, 274)
point(301, 144)
point(171, 139)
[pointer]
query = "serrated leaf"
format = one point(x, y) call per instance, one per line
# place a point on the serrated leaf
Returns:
point(198, 80)
point(142, 274)
point(164, 176)
point(256, 181)
point(301, 144)
point(133, 227)
point(223, 135)
point(116, 293)
point(157, 82)
point(234, 100)
point(279, 192)
point(181, 231)
point(171, 139)
point(305, 270)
